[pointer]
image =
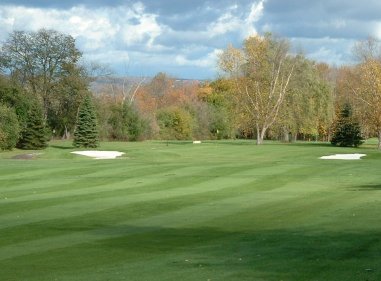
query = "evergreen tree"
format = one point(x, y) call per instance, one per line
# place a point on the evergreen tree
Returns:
point(347, 131)
point(86, 133)
point(34, 135)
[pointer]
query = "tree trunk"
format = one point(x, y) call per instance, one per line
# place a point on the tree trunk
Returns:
point(260, 135)
point(379, 140)
point(259, 140)
point(294, 137)
point(286, 135)
point(66, 134)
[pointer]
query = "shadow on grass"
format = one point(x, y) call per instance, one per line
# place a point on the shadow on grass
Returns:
point(314, 144)
point(61, 146)
point(368, 187)
point(276, 254)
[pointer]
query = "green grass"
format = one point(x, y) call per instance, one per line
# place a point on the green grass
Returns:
point(227, 210)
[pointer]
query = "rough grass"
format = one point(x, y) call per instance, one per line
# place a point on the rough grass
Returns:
point(168, 211)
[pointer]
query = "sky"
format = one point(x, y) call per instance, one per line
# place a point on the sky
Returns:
point(183, 38)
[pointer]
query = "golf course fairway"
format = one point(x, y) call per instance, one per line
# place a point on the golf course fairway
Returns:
point(219, 210)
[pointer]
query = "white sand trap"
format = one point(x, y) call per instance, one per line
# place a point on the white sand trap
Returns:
point(355, 156)
point(99, 154)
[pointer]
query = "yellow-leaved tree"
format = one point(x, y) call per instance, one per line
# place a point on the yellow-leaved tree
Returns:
point(261, 72)
point(367, 90)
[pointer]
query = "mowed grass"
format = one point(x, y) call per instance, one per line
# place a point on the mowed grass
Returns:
point(227, 210)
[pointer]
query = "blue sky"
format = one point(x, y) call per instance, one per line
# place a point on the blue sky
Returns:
point(183, 38)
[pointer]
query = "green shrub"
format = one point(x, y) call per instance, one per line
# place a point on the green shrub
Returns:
point(9, 128)
point(126, 123)
point(175, 123)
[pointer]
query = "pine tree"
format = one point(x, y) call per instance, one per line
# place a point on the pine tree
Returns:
point(34, 135)
point(347, 131)
point(86, 133)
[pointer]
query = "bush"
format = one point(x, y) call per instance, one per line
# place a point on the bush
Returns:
point(126, 123)
point(9, 128)
point(13, 97)
point(175, 123)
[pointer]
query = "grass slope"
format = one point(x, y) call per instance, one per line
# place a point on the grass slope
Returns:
point(215, 211)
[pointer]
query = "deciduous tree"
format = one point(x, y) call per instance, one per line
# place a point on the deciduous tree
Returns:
point(175, 123)
point(367, 90)
point(39, 61)
point(309, 108)
point(262, 70)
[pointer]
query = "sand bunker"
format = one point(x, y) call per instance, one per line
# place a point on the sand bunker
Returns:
point(355, 156)
point(100, 154)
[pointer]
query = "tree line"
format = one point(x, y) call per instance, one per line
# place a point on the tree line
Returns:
point(265, 91)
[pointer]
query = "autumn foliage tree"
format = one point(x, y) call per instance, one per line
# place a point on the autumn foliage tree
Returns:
point(262, 70)
point(366, 89)
point(309, 106)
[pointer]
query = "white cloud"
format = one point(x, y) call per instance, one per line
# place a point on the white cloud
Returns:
point(95, 27)
point(339, 23)
point(377, 31)
point(233, 21)
point(256, 12)
point(335, 51)
point(207, 61)
point(122, 34)
point(224, 24)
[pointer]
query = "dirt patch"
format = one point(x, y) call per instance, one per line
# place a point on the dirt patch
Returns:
point(28, 156)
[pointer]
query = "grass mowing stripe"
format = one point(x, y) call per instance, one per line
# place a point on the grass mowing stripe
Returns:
point(185, 177)
point(84, 205)
point(196, 213)
point(85, 184)
point(66, 175)
point(69, 208)
point(246, 201)
point(231, 189)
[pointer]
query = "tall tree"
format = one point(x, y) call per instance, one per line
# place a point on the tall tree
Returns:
point(69, 92)
point(309, 107)
point(38, 60)
point(86, 133)
point(367, 90)
point(262, 70)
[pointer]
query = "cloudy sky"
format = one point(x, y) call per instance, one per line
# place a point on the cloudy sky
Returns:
point(184, 37)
